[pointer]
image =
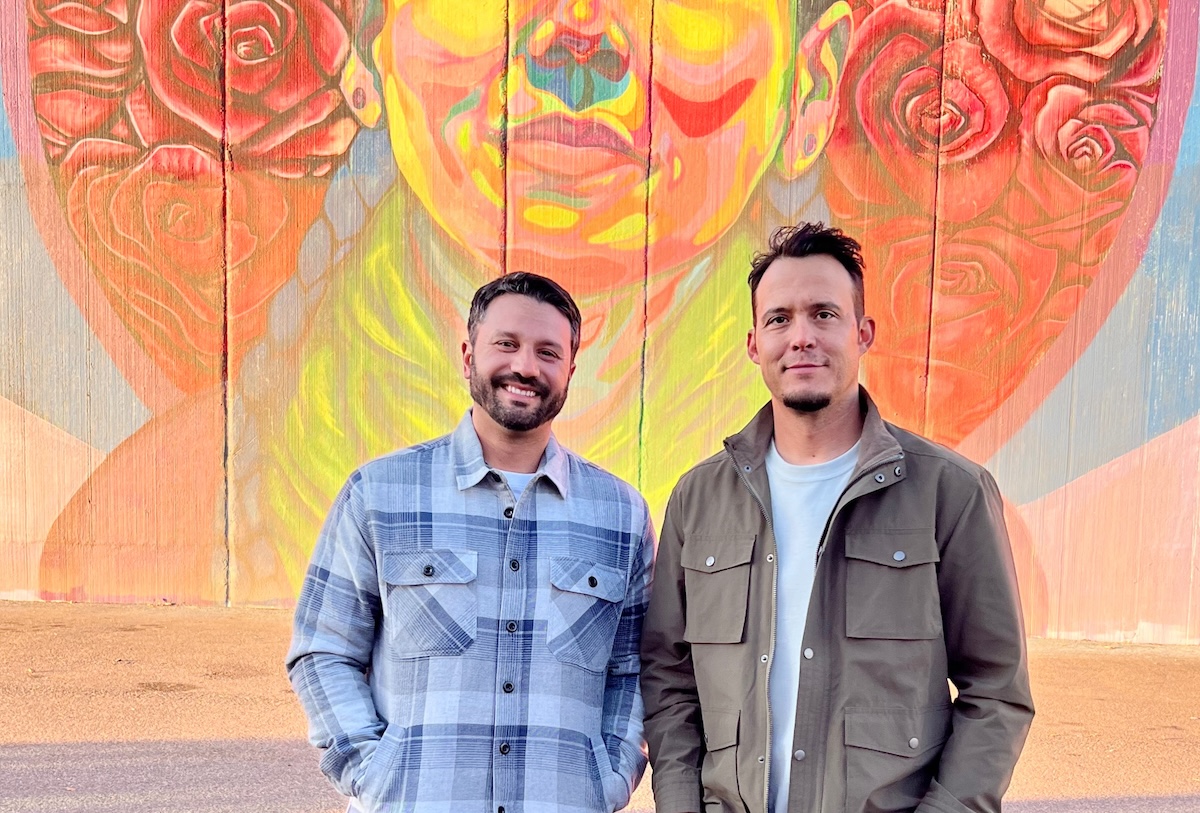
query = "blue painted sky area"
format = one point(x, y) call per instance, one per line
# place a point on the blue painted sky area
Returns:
point(7, 148)
point(1140, 377)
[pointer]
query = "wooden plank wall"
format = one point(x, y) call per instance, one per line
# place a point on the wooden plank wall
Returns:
point(239, 241)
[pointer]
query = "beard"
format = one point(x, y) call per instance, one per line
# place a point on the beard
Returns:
point(486, 393)
point(808, 403)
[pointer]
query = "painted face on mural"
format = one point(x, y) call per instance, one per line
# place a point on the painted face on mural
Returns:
point(590, 134)
point(519, 362)
point(807, 338)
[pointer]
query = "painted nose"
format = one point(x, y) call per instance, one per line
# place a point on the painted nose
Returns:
point(579, 56)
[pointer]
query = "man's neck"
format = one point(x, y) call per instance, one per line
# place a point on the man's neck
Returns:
point(807, 438)
point(507, 450)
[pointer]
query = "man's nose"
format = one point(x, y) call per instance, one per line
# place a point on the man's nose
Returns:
point(579, 54)
point(802, 335)
point(524, 363)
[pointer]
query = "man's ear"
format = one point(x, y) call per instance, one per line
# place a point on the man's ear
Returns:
point(820, 57)
point(466, 356)
point(752, 346)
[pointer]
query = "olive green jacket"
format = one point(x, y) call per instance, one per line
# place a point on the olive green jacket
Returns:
point(914, 585)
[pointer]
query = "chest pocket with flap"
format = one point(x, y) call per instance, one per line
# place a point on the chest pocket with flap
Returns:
point(891, 585)
point(716, 579)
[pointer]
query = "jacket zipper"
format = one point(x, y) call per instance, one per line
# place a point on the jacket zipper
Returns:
point(771, 648)
point(775, 596)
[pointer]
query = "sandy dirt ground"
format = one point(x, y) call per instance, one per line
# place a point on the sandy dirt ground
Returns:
point(78, 681)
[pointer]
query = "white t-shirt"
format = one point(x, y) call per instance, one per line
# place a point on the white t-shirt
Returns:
point(802, 498)
point(517, 480)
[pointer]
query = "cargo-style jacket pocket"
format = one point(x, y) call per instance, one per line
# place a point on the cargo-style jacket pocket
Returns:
point(585, 606)
point(891, 755)
point(716, 578)
point(891, 585)
point(431, 607)
point(718, 772)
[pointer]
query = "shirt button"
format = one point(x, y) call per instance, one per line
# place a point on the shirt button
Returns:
point(799, 755)
point(504, 748)
point(879, 478)
point(427, 570)
point(511, 626)
point(808, 654)
point(508, 688)
point(897, 471)
point(508, 512)
point(763, 658)
point(761, 760)
point(898, 556)
point(592, 582)
point(770, 557)
point(914, 742)
point(710, 561)
point(514, 564)
point(500, 809)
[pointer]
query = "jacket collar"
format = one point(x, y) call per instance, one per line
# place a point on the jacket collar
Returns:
point(876, 444)
point(470, 467)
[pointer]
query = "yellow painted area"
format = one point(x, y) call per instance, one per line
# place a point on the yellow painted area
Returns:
point(485, 186)
point(583, 10)
point(622, 232)
point(470, 34)
point(548, 216)
point(698, 30)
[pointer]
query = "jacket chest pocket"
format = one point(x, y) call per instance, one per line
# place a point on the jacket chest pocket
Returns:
point(716, 579)
point(585, 606)
point(431, 607)
point(891, 585)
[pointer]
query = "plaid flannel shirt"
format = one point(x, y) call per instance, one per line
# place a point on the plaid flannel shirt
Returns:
point(458, 651)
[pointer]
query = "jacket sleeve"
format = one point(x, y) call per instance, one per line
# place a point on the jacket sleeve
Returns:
point(674, 731)
point(622, 723)
point(985, 647)
point(333, 635)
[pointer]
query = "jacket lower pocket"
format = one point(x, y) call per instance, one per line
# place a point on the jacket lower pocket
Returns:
point(891, 756)
point(722, 792)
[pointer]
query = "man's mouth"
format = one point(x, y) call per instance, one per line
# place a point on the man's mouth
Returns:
point(520, 391)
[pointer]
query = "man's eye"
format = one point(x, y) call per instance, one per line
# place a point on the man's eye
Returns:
point(550, 354)
point(776, 320)
point(826, 315)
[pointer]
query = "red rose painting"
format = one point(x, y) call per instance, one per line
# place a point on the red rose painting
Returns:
point(137, 103)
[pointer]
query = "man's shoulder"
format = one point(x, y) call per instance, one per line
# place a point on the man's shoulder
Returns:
point(926, 452)
point(388, 465)
point(709, 473)
point(601, 479)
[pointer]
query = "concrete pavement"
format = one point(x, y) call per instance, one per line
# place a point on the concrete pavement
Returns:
point(186, 710)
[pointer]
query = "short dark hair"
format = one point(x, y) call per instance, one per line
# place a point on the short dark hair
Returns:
point(534, 286)
point(805, 240)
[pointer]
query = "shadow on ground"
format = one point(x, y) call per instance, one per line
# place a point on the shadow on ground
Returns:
point(269, 776)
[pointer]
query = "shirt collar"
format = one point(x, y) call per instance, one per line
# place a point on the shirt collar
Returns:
point(470, 467)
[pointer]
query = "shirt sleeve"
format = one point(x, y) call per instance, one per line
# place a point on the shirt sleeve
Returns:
point(985, 645)
point(623, 709)
point(333, 636)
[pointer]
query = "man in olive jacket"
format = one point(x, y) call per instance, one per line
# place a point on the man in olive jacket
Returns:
point(821, 579)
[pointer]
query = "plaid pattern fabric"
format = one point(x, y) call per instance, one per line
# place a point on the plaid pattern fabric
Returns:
point(459, 652)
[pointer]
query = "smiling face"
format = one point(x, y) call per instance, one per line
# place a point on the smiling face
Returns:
point(519, 362)
point(806, 338)
point(589, 134)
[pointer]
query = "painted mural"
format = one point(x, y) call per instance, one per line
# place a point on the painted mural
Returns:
point(239, 238)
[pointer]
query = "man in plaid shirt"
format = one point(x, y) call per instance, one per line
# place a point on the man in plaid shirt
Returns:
point(466, 639)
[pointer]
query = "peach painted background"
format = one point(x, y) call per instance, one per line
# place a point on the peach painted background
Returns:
point(238, 240)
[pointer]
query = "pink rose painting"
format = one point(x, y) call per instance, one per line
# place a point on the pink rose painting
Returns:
point(190, 142)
